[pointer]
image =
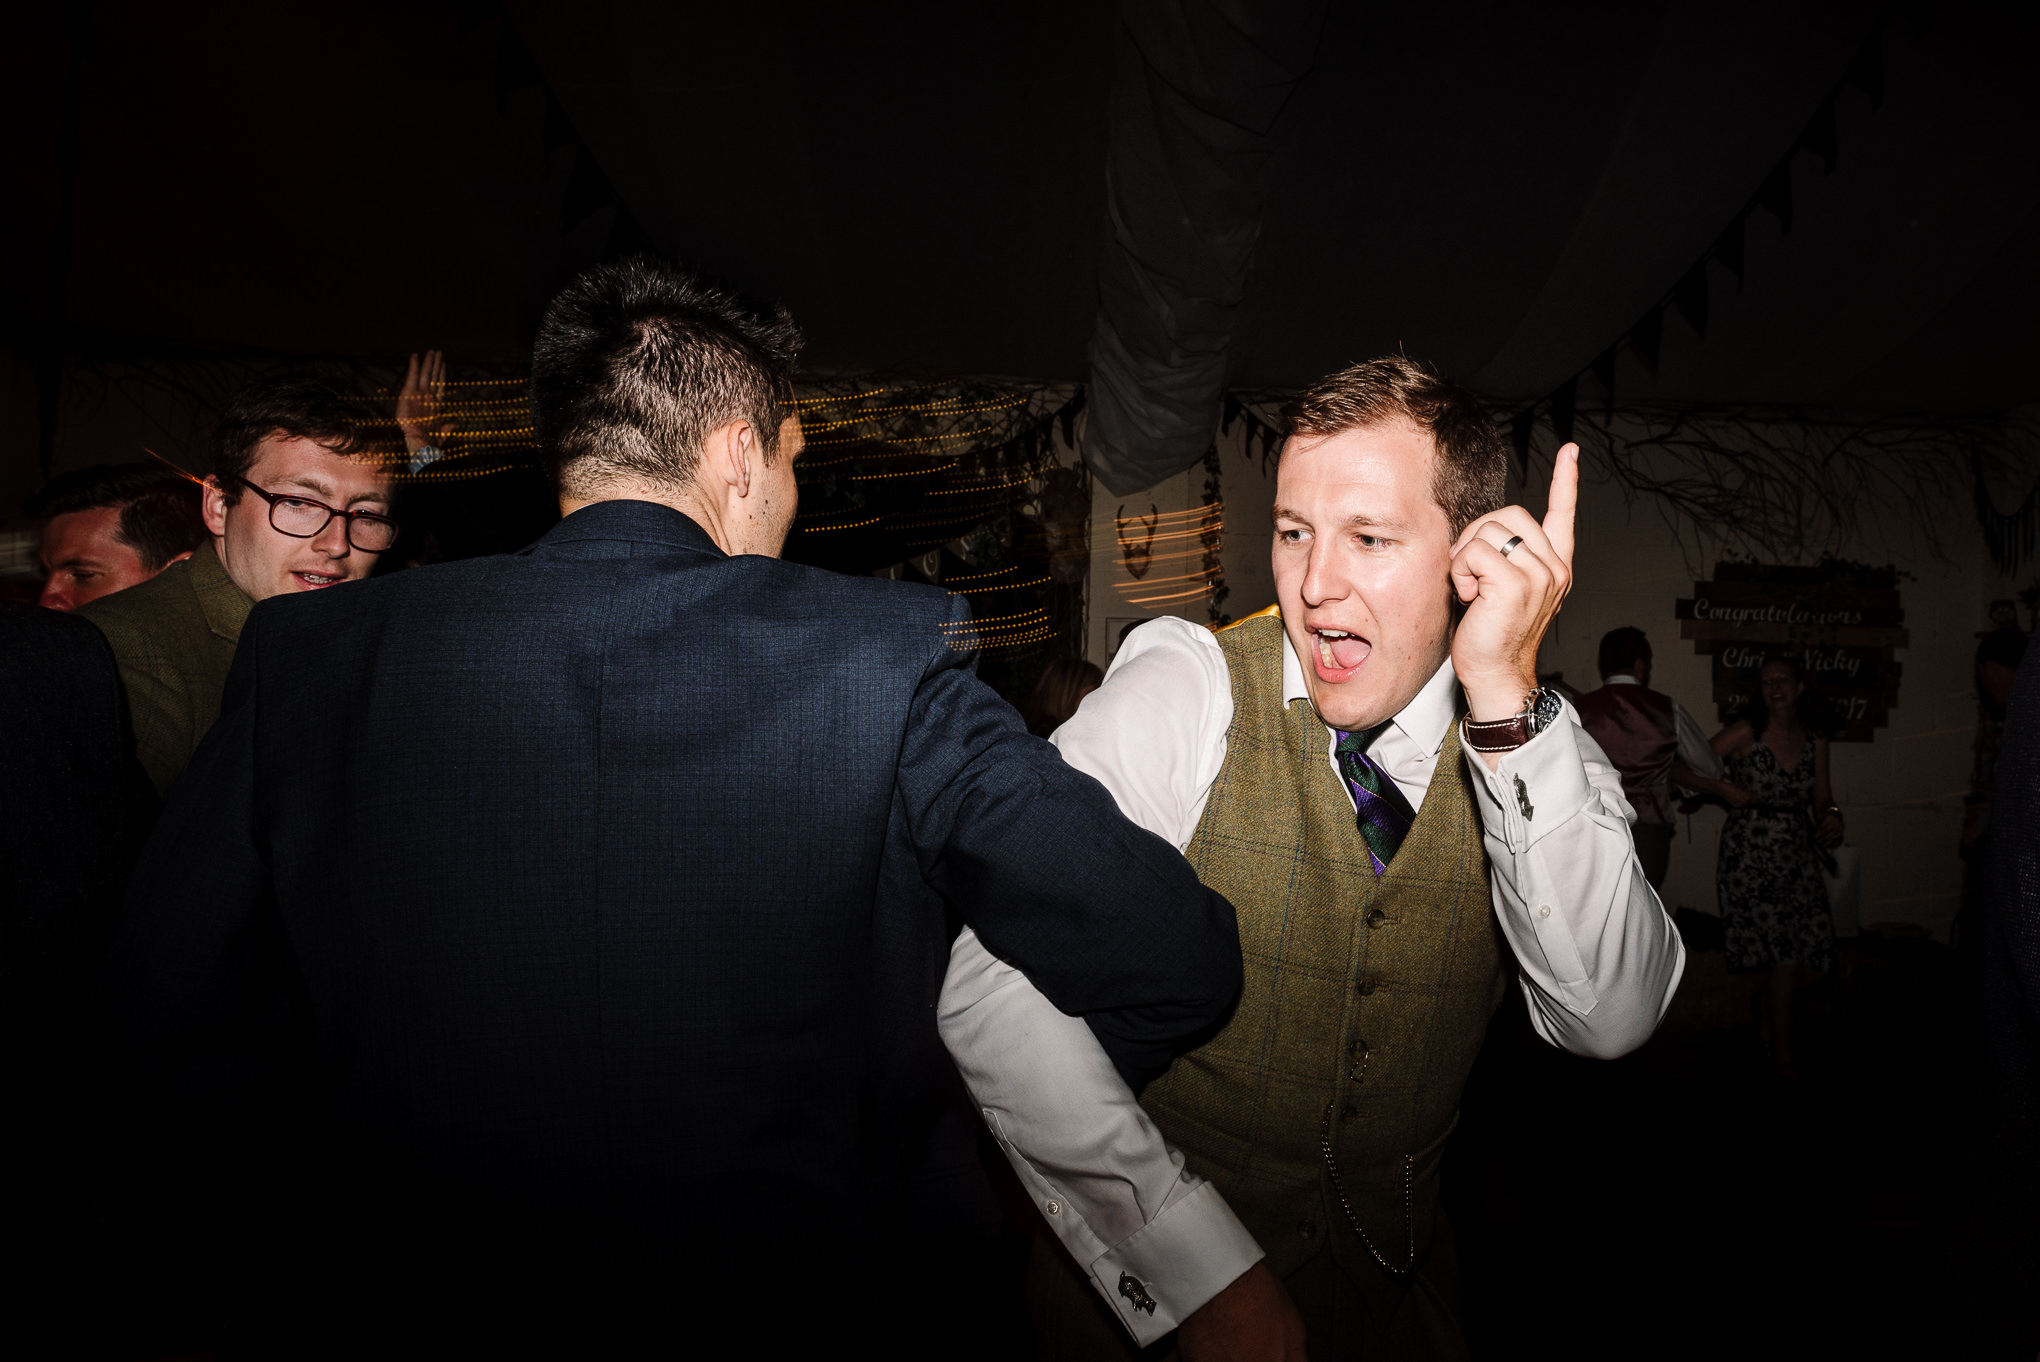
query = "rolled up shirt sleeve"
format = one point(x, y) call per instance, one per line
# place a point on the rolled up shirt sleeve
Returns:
point(1598, 953)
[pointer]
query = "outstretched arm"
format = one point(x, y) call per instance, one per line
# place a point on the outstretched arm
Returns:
point(1105, 919)
point(1731, 794)
point(1105, 1181)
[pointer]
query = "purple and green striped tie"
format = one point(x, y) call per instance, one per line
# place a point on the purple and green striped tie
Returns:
point(1384, 815)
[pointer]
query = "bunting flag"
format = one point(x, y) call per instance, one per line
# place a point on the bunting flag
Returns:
point(1258, 434)
point(1691, 294)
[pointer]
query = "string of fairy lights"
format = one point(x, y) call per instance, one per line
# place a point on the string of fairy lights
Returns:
point(1184, 537)
point(937, 464)
point(921, 464)
point(490, 416)
point(934, 463)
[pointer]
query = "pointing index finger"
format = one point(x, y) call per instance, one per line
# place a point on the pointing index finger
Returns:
point(1565, 500)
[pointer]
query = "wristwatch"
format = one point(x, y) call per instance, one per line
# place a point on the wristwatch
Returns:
point(1541, 709)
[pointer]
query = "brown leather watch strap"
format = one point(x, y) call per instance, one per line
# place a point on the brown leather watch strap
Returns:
point(1498, 735)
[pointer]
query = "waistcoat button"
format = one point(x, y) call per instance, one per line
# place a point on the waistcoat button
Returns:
point(1307, 1228)
point(1350, 1114)
point(1376, 918)
point(1366, 987)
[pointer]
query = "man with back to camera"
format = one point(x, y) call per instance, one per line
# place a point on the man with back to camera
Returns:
point(112, 526)
point(296, 502)
point(612, 879)
point(1279, 1184)
point(1654, 742)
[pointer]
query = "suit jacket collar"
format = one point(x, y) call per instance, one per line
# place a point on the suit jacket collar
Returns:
point(632, 522)
point(223, 603)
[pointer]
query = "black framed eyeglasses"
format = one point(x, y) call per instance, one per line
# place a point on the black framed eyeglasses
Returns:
point(302, 518)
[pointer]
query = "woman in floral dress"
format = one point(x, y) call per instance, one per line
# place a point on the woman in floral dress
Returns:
point(1773, 899)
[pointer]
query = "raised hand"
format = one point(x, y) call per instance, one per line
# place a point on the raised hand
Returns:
point(421, 404)
point(1512, 596)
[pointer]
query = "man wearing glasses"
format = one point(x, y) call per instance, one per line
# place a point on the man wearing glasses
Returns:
point(296, 502)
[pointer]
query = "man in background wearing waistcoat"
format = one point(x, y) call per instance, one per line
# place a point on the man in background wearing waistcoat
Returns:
point(1654, 743)
point(1279, 1185)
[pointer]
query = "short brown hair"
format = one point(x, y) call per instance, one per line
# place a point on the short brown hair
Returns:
point(1621, 649)
point(1470, 472)
point(159, 506)
point(637, 361)
point(295, 408)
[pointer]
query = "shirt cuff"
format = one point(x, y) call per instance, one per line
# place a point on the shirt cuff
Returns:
point(1166, 1271)
point(1533, 790)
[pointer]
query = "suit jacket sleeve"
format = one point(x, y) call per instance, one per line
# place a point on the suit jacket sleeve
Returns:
point(1106, 920)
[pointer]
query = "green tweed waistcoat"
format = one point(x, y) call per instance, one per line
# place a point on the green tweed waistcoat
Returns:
point(1365, 1001)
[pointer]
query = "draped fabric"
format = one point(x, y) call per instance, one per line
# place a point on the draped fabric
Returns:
point(1197, 88)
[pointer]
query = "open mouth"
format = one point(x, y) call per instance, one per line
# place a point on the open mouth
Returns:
point(312, 581)
point(1337, 654)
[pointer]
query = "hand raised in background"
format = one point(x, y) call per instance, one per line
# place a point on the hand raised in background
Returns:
point(421, 404)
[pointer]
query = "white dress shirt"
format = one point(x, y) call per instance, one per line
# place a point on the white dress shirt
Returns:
point(1694, 749)
point(1598, 955)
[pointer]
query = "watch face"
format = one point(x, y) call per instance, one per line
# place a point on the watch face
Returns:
point(1544, 710)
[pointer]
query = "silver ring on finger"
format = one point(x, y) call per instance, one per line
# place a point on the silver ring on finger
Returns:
point(1510, 547)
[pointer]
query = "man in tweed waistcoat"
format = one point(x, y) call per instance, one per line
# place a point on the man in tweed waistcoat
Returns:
point(1370, 773)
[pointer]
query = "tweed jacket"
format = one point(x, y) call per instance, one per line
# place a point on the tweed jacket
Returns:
point(173, 638)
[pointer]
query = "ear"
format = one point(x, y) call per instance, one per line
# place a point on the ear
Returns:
point(213, 506)
point(731, 448)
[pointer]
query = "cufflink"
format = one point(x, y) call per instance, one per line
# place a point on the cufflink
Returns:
point(1130, 1287)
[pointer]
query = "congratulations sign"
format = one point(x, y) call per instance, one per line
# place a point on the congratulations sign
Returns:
point(1842, 623)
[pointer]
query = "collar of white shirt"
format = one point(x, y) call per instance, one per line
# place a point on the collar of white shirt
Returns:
point(1423, 720)
point(1623, 680)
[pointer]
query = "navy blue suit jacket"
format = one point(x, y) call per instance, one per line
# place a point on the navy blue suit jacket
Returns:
point(608, 887)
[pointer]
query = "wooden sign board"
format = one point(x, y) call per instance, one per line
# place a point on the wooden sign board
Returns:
point(1840, 622)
